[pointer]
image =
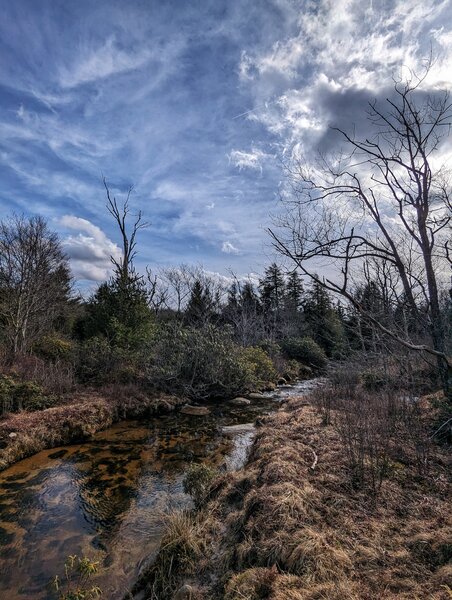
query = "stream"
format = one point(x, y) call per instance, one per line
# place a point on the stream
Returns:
point(106, 498)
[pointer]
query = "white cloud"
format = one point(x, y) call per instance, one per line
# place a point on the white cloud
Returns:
point(248, 160)
point(102, 62)
point(229, 248)
point(89, 249)
point(339, 47)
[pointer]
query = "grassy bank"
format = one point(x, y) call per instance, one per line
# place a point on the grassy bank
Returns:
point(330, 506)
point(25, 433)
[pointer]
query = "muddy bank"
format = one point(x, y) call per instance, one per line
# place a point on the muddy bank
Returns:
point(290, 526)
point(24, 434)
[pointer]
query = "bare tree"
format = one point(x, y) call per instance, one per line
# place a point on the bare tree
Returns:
point(128, 234)
point(35, 281)
point(384, 199)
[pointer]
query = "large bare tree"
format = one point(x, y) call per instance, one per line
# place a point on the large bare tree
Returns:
point(385, 199)
point(35, 281)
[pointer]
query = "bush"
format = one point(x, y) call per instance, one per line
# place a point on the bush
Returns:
point(292, 370)
point(31, 396)
point(53, 348)
point(6, 394)
point(199, 363)
point(260, 367)
point(22, 396)
point(372, 380)
point(99, 362)
point(306, 351)
point(197, 482)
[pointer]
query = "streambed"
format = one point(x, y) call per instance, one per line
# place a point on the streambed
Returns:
point(106, 498)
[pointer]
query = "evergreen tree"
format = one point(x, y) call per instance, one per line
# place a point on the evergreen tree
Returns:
point(321, 320)
point(118, 310)
point(272, 289)
point(201, 305)
point(294, 293)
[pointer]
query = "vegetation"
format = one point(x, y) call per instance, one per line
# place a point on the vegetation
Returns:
point(197, 482)
point(326, 508)
point(75, 585)
point(345, 495)
point(396, 231)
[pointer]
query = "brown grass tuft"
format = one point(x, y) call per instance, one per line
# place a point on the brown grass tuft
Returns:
point(284, 529)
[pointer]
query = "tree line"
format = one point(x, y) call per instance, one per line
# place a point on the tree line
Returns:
point(382, 223)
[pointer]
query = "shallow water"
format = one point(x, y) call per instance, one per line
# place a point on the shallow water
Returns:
point(106, 498)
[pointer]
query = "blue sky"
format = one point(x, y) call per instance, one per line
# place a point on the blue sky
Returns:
point(195, 104)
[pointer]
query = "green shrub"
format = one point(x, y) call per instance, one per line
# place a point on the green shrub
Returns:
point(260, 366)
point(291, 370)
point(31, 396)
point(27, 395)
point(53, 348)
point(198, 363)
point(7, 386)
point(372, 380)
point(99, 362)
point(197, 482)
point(306, 351)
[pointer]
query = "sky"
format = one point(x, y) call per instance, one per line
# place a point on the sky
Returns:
point(197, 104)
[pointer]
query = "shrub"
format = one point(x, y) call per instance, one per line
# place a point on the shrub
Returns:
point(260, 366)
point(53, 348)
point(292, 370)
point(197, 482)
point(199, 363)
point(372, 380)
point(98, 361)
point(6, 394)
point(306, 351)
point(22, 396)
point(31, 396)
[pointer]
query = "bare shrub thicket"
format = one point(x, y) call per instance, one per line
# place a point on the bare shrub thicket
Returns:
point(380, 429)
point(55, 377)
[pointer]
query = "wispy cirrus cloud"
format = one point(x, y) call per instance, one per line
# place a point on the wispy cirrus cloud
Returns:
point(193, 104)
point(229, 248)
point(252, 159)
point(91, 64)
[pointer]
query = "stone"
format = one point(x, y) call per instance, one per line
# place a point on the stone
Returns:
point(198, 411)
point(12, 435)
point(240, 402)
point(255, 396)
point(242, 428)
point(270, 386)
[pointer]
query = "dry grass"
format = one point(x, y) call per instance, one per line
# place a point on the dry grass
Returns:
point(78, 418)
point(283, 530)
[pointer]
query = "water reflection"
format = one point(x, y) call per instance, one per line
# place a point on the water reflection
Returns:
point(106, 497)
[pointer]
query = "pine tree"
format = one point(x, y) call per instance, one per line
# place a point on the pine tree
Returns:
point(272, 291)
point(321, 321)
point(272, 288)
point(294, 293)
point(200, 307)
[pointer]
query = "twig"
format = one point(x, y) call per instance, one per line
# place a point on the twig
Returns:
point(439, 429)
